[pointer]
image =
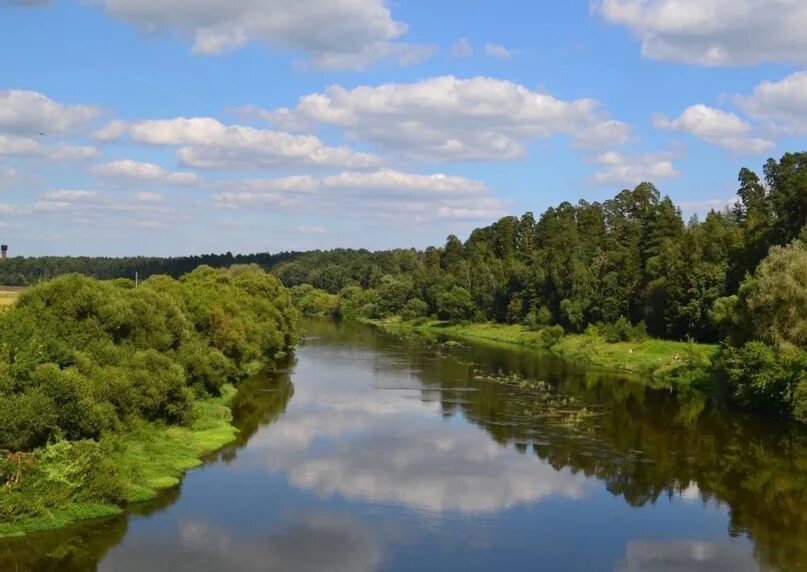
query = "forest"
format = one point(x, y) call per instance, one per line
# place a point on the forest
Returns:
point(108, 392)
point(25, 271)
point(627, 268)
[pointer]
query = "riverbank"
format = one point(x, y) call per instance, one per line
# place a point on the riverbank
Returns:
point(147, 458)
point(679, 363)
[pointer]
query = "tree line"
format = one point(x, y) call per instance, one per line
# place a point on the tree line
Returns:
point(25, 271)
point(627, 267)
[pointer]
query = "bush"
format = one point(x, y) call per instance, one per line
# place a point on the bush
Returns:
point(622, 331)
point(79, 356)
point(537, 318)
point(414, 309)
point(551, 335)
point(455, 304)
point(761, 378)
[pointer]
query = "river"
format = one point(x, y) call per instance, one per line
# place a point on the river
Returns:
point(380, 452)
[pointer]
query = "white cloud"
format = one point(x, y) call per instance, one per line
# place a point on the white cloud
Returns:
point(497, 51)
point(148, 197)
point(702, 207)
point(311, 230)
point(62, 200)
point(462, 49)
point(206, 143)
point(446, 118)
point(717, 127)
point(384, 192)
point(618, 169)
point(715, 32)
point(69, 195)
point(331, 33)
point(29, 113)
point(14, 145)
point(128, 171)
point(405, 54)
point(85, 204)
point(19, 146)
point(782, 103)
point(73, 153)
point(6, 209)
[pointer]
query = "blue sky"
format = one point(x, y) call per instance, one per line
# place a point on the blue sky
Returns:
point(167, 127)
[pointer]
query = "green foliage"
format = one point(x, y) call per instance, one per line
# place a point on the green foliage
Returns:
point(551, 335)
point(393, 295)
point(354, 302)
point(762, 378)
point(312, 302)
point(455, 304)
point(19, 271)
point(622, 331)
point(771, 303)
point(414, 309)
point(100, 384)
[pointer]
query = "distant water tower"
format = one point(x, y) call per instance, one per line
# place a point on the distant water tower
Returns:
point(4, 251)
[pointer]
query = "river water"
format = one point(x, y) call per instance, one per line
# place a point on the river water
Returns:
point(382, 452)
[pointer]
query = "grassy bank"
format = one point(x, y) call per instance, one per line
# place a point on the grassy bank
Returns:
point(146, 459)
point(674, 362)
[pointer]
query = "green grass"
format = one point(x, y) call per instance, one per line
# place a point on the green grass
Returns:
point(150, 458)
point(156, 457)
point(676, 362)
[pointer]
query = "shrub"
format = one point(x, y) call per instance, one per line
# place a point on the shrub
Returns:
point(551, 335)
point(537, 318)
point(455, 304)
point(761, 378)
point(414, 309)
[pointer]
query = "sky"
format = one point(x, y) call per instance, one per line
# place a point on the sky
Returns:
point(173, 127)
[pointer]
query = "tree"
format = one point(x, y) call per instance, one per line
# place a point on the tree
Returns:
point(455, 304)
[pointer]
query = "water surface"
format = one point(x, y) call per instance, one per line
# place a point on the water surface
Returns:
point(379, 452)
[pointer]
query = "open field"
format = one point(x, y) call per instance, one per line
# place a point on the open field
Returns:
point(8, 294)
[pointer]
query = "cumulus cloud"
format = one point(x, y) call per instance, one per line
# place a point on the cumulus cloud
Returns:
point(14, 145)
point(714, 32)
point(90, 203)
point(28, 113)
point(206, 143)
point(128, 171)
point(448, 119)
point(462, 49)
point(783, 104)
point(717, 127)
point(19, 146)
point(335, 34)
point(616, 168)
point(149, 197)
point(497, 51)
point(385, 192)
point(6, 209)
point(61, 200)
point(73, 153)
